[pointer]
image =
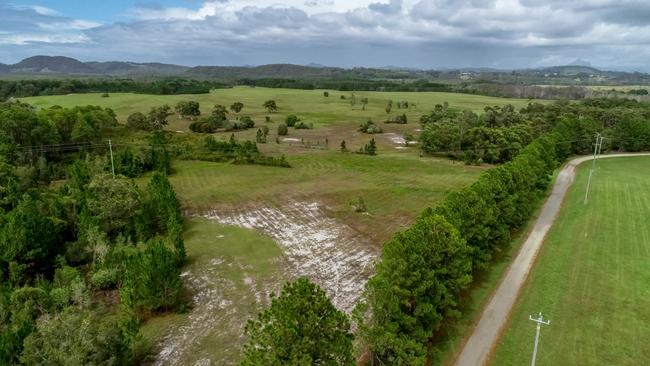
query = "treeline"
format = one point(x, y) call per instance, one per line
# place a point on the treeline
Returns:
point(68, 249)
point(425, 269)
point(500, 133)
point(349, 84)
point(31, 88)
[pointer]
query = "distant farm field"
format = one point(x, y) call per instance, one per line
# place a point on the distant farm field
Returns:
point(311, 104)
point(592, 278)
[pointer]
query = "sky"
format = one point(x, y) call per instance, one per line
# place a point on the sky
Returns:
point(427, 34)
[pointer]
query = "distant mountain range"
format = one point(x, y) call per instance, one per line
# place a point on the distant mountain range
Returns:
point(53, 65)
point(579, 72)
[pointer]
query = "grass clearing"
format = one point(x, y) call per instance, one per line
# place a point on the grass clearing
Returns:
point(592, 278)
point(230, 274)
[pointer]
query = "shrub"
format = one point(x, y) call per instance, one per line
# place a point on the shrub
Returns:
point(303, 126)
point(291, 120)
point(104, 279)
point(399, 119)
point(283, 130)
point(370, 127)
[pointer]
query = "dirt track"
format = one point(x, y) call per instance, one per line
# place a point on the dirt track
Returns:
point(478, 347)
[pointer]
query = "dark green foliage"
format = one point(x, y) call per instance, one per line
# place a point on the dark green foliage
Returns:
point(283, 130)
point(344, 148)
point(187, 109)
point(152, 280)
point(237, 107)
point(238, 152)
point(30, 88)
point(291, 120)
point(370, 148)
point(303, 126)
point(158, 116)
point(301, 327)
point(417, 284)
point(139, 121)
point(160, 159)
point(270, 106)
point(165, 211)
point(326, 94)
point(115, 203)
point(206, 125)
point(76, 337)
point(370, 127)
point(28, 240)
point(219, 113)
point(245, 122)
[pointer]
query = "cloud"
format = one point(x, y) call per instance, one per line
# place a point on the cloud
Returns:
point(25, 25)
point(418, 33)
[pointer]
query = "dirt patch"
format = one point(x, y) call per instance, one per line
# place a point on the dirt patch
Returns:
point(329, 252)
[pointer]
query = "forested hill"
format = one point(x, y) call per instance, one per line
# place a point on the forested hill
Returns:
point(556, 75)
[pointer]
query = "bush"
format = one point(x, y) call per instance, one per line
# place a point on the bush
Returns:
point(283, 130)
point(291, 120)
point(399, 119)
point(370, 127)
point(104, 279)
point(139, 121)
point(303, 126)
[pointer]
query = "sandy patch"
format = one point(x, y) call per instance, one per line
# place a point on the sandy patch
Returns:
point(327, 251)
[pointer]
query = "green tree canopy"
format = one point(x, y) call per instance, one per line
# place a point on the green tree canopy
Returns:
point(301, 327)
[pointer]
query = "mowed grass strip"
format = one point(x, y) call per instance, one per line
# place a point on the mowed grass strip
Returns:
point(592, 277)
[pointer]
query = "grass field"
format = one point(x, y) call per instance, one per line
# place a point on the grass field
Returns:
point(592, 278)
point(230, 273)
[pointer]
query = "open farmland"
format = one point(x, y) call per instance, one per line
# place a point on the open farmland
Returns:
point(299, 221)
point(591, 278)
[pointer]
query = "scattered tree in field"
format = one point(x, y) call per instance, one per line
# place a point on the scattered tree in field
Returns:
point(283, 130)
point(220, 113)
point(291, 120)
point(389, 107)
point(326, 94)
point(105, 95)
point(364, 103)
point(343, 147)
point(270, 106)
point(237, 107)
point(158, 116)
point(187, 109)
point(343, 97)
point(370, 148)
point(260, 137)
point(301, 327)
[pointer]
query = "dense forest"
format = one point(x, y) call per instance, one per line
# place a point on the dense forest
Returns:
point(86, 254)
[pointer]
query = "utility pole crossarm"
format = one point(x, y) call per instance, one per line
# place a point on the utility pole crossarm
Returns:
point(539, 320)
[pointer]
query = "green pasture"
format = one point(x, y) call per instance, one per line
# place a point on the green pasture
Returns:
point(592, 277)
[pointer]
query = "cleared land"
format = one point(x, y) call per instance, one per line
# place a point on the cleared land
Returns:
point(302, 218)
point(591, 277)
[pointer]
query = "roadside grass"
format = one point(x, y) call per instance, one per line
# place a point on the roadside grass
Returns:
point(232, 266)
point(592, 278)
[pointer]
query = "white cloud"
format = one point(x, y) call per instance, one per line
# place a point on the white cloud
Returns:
point(425, 33)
